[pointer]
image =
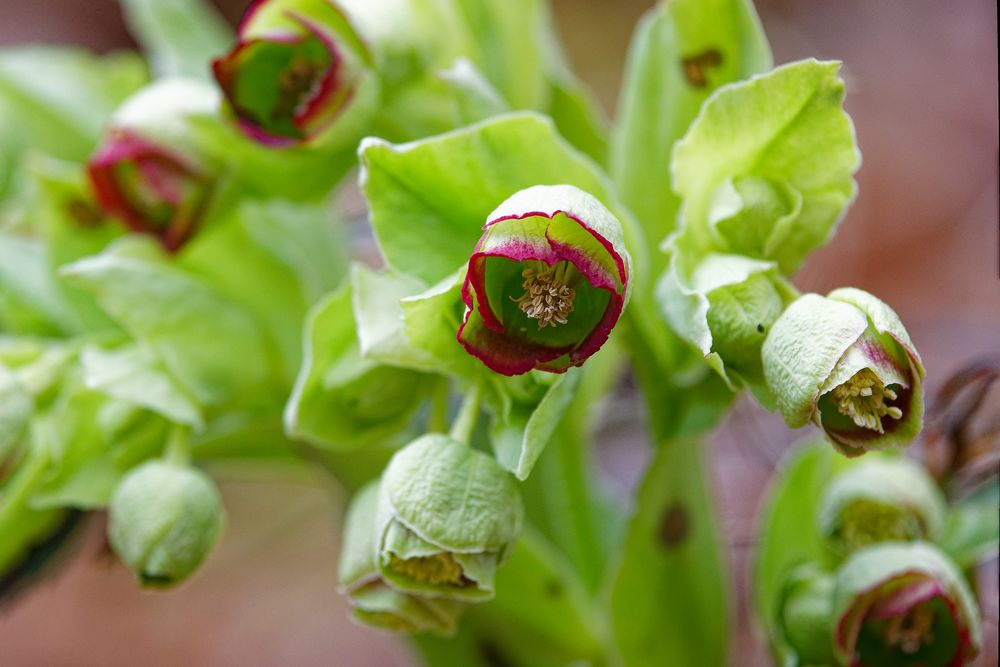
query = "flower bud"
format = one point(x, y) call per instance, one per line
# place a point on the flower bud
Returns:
point(880, 500)
point(546, 283)
point(903, 604)
point(298, 74)
point(163, 520)
point(372, 601)
point(805, 615)
point(845, 362)
point(447, 516)
point(149, 171)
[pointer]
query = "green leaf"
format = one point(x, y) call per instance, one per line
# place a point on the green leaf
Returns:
point(970, 531)
point(342, 401)
point(275, 259)
point(180, 37)
point(211, 345)
point(57, 100)
point(16, 407)
point(668, 595)
point(429, 199)
point(31, 298)
point(681, 52)
point(786, 128)
point(135, 375)
point(520, 435)
point(788, 533)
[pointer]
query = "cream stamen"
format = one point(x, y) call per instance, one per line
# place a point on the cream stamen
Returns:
point(547, 296)
point(862, 398)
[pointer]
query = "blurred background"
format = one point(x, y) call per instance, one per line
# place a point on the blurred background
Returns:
point(923, 235)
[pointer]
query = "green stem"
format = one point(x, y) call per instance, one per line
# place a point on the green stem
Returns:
point(178, 451)
point(437, 421)
point(468, 415)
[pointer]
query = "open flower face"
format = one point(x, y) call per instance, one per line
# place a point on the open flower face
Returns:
point(296, 74)
point(546, 283)
point(903, 604)
point(846, 362)
point(149, 172)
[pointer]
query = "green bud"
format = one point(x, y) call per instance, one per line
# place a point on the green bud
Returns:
point(164, 518)
point(752, 216)
point(447, 516)
point(903, 604)
point(880, 499)
point(846, 363)
point(805, 615)
point(372, 601)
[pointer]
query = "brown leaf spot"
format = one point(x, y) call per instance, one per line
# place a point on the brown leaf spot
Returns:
point(695, 66)
point(674, 526)
point(83, 213)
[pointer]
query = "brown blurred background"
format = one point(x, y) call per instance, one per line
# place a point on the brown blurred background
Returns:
point(923, 235)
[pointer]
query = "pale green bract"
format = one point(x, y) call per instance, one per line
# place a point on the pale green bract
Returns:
point(788, 132)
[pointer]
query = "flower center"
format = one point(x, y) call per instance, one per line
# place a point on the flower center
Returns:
point(862, 398)
point(911, 630)
point(298, 83)
point(547, 296)
point(439, 568)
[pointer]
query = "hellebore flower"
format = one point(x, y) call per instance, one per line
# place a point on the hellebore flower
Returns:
point(149, 171)
point(903, 604)
point(298, 73)
point(880, 499)
point(374, 602)
point(546, 283)
point(163, 520)
point(845, 362)
point(447, 516)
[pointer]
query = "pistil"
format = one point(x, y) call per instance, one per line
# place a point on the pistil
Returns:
point(547, 296)
point(862, 398)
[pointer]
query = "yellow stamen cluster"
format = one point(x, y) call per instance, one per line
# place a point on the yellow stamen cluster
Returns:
point(862, 398)
point(911, 630)
point(439, 568)
point(547, 296)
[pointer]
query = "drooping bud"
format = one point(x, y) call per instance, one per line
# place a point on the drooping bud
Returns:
point(903, 604)
point(845, 362)
point(164, 518)
point(546, 283)
point(149, 171)
point(298, 74)
point(806, 610)
point(447, 516)
point(374, 602)
point(880, 499)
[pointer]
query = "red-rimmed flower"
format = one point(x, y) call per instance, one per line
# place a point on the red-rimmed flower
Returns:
point(903, 604)
point(546, 283)
point(148, 171)
point(298, 74)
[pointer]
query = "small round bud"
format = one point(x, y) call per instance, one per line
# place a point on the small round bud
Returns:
point(163, 520)
point(806, 613)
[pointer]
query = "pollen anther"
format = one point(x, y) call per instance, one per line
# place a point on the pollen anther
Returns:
point(862, 398)
point(547, 296)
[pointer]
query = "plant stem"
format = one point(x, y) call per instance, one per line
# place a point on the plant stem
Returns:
point(177, 450)
point(468, 415)
point(437, 421)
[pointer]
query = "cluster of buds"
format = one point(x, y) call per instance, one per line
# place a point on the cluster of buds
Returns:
point(546, 283)
point(846, 363)
point(150, 171)
point(427, 539)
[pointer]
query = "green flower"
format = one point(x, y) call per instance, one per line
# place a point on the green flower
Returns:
point(879, 500)
point(447, 517)
point(163, 520)
point(903, 604)
point(373, 602)
point(846, 363)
